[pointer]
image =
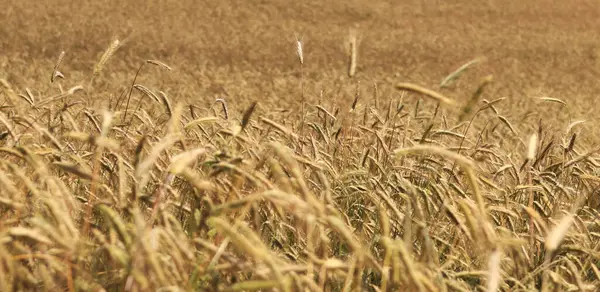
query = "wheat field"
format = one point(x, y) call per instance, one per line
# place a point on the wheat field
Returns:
point(299, 146)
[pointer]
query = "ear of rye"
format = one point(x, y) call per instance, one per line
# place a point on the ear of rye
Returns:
point(107, 54)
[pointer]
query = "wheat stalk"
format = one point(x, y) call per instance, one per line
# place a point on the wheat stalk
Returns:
point(55, 72)
point(427, 92)
point(116, 44)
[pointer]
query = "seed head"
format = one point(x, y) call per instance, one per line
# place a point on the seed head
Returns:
point(299, 51)
point(533, 140)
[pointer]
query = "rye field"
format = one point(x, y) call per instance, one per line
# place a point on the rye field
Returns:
point(417, 145)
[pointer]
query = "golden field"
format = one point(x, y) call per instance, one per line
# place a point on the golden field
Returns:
point(198, 146)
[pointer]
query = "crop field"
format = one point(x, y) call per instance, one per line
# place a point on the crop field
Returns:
point(417, 145)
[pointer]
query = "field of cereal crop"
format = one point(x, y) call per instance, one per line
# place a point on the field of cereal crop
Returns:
point(299, 145)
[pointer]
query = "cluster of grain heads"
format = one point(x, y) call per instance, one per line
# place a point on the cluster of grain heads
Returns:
point(369, 197)
point(144, 89)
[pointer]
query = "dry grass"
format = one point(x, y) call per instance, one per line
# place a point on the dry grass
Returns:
point(175, 149)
